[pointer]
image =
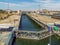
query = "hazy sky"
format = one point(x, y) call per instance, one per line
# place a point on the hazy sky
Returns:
point(30, 4)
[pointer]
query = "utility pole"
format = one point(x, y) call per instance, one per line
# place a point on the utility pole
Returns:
point(8, 8)
point(39, 7)
point(8, 5)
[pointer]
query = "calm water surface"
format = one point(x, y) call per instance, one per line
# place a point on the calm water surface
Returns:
point(28, 24)
point(55, 40)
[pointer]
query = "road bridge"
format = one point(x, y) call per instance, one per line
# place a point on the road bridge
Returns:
point(37, 35)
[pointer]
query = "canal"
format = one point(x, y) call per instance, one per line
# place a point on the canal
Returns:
point(28, 24)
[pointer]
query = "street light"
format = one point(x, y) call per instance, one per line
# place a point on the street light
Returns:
point(49, 38)
point(50, 29)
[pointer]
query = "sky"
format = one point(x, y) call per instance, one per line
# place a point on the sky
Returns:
point(30, 4)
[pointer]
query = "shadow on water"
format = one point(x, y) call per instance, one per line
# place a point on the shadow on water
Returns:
point(54, 41)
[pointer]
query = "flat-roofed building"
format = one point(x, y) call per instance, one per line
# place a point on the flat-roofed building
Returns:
point(6, 27)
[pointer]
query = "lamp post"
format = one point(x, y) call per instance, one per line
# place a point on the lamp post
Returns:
point(50, 36)
point(50, 29)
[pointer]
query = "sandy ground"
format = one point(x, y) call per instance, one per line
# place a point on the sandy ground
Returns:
point(44, 18)
point(13, 20)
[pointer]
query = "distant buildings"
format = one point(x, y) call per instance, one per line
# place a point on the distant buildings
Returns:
point(47, 12)
point(8, 10)
point(56, 16)
point(13, 12)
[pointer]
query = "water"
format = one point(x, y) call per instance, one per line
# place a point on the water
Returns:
point(28, 24)
point(55, 40)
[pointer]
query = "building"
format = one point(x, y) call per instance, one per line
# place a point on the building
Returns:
point(5, 27)
point(56, 16)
